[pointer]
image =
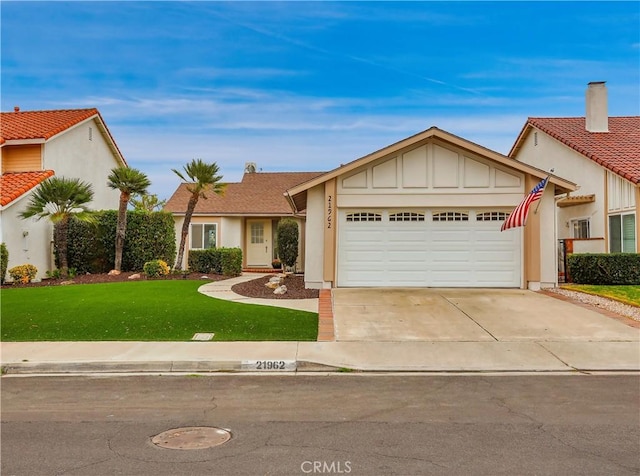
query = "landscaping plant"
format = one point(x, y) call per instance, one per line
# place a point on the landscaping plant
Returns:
point(287, 233)
point(128, 181)
point(24, 273)
point(156, 268)
point(201, 178)
point(4, 261)
point(59, 199)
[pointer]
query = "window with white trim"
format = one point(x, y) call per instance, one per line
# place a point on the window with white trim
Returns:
point(450, 216)
point(492, 216)
point(622, 233)
point(203, 235)
point(364, 216)
point(406, 216)
point(580, 228)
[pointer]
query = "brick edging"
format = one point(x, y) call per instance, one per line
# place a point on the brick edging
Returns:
point(325, 316)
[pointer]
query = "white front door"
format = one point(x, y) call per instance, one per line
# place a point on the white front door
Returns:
point(259, 251)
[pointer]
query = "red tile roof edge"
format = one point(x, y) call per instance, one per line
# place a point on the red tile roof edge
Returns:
point(13, 195)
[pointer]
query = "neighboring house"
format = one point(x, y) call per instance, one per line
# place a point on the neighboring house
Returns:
point(602, 155)
point(427, 212)
point(35, 145)
point(245, 216)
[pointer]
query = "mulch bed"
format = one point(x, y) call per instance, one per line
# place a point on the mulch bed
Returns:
point(254, 288)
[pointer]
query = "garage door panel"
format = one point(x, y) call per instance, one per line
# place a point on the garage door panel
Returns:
point(428, 253)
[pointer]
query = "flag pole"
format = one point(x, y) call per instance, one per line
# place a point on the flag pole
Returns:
point(535, 212)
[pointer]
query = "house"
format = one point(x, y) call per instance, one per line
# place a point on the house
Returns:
point(602, 155)
point(35, 145)
point(245, 216)
point(427, 212)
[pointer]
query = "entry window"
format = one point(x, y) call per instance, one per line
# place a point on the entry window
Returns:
point(622, 233)
point(406, 216)
point(364, 216)
point(203, 236)
point(492, 216)
point(580, 228)
point(257, 233)
point(450, 216)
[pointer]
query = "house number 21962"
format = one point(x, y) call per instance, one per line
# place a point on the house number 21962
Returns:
point(329, 211)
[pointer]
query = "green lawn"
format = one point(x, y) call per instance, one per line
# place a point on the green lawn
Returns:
point(169, 310)
point(626, 294)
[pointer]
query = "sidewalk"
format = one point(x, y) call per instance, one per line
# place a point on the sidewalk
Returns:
point(193, 357)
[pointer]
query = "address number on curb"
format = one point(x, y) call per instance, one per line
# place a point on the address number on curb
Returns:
point(269, 365)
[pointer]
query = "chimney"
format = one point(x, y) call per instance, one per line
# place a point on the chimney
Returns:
point(597, 118)
point(16, 108)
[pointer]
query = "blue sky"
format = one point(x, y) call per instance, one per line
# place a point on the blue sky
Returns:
point(306, 86)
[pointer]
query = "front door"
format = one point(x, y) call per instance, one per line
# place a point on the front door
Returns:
point(259, 251)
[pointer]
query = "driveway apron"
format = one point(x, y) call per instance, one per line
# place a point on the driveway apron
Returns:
point(467, 315)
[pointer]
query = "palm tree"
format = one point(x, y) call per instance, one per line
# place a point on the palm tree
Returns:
point(147, 203)
point(128, 181)
point(59, 199)
point(202, 178)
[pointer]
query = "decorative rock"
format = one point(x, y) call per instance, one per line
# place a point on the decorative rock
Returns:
point(275, 279)
point(271, 285)
point(204, 277)
point(135, 276)
point(114, 272)
point(66, 283)
point(280, 290)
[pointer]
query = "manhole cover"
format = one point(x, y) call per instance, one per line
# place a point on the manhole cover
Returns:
point(191, 438)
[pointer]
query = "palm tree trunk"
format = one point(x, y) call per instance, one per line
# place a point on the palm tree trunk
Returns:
point(60, 230)
point(185, 228)
point(121, 230)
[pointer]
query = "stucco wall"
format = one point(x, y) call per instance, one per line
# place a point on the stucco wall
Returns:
point(28, 241)
point(74, 155)
point(314, 237)
point(589, 176)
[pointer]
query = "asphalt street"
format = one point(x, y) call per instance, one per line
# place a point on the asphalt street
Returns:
point(361, 424)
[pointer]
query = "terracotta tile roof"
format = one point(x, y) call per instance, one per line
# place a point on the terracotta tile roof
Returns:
point(24, 125)
point(40, 124)
point(15, 184)
point(259, 193)
point(617, 150)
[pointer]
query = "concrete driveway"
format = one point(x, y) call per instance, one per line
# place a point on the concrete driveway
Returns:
point(467, 315)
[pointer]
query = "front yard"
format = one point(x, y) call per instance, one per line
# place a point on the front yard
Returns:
point(170, 310)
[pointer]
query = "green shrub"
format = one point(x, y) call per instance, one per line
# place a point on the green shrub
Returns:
point(225, 261)
point(24, 273)
point(149, 236)
point(287, 235)
point(605, 269)
point(4, 261)
point(156, 268)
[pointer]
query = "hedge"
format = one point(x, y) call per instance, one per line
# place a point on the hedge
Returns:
point(225, 261)
point(149, 236)
point(605, 269)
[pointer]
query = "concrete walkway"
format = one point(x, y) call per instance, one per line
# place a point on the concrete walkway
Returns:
point(477, 354)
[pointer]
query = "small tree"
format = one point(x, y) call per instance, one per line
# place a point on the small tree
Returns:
point(59, 199)
point(287, 233)
point(201, 178)
point(4, 260)
point(128, 181)
point(147, 203)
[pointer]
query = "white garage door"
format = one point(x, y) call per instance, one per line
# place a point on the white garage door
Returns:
point(424, 248)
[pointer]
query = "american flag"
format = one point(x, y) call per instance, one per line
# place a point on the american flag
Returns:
point(518, 216)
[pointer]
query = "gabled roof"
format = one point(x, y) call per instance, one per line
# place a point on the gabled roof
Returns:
point(617, 150)
point(14, 185)
point(40, 126)
point(259, 193)
point(297, 195)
